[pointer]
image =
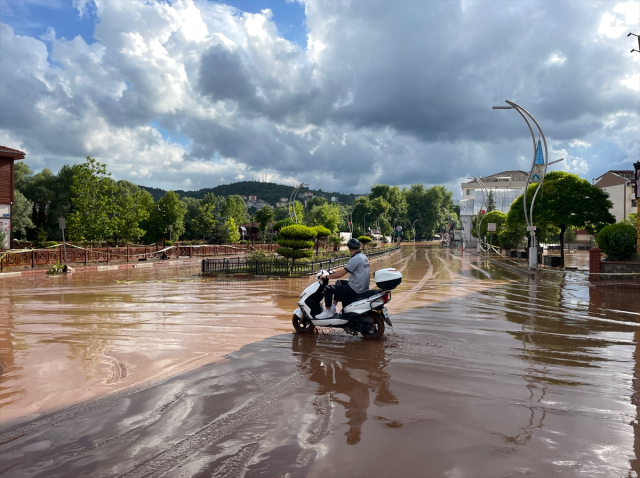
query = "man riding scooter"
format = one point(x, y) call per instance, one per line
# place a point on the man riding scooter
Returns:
point(358, 269)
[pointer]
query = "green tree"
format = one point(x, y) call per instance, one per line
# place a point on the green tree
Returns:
point(565, 200)
point(204, 222)
point(265, 217)
point(491, 202)
point(22, 176)
point(236, 208)
point(134, 207)
point(93, 197)
point(280, 213)
point(426, 205)
point(325, 215)
point(299, 211)
point(169, 211)
point(233, 236)
point(21, 214)
point(192, 205)
point(510, 236)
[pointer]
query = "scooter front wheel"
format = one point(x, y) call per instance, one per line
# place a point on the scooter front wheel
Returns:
point(376, 329)
point(302, 326)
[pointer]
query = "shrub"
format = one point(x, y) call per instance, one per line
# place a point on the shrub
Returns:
point(299, 232)
point(364, 239)
point(296, 242)
point(322, 231)
point(168, 243)
point(618, 241)
point(243, 241)
point(56, 268)
point(50, 244)
point(283, 223)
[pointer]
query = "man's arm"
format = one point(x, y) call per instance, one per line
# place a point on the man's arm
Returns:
point(338, 274)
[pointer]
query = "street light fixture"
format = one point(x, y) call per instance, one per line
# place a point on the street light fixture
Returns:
point(413, 229)
point(628, 35)
point(536, 174)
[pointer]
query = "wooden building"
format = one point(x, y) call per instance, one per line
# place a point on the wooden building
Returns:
point(8, 156)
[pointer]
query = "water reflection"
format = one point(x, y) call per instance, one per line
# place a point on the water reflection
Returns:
point(347, 372)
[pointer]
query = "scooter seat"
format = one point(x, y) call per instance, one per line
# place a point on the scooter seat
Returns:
point(356, 298)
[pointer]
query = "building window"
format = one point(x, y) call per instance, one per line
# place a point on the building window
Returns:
point(634, 203)
point(470, 192)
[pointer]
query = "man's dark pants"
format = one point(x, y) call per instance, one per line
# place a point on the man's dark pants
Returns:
point(340, 291)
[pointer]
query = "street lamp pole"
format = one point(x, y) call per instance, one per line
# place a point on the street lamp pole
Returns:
point(536, 174)
point(413, 229)
point(485, 193)
point(350, 217)
point(393, 237)
point(463, 204)
point(364, 222)
point(164, 226)
point(292, 201)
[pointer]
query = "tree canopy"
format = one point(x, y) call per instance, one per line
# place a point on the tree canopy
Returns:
point(565, 200)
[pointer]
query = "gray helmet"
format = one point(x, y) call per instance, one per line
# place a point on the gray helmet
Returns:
point(353, 244)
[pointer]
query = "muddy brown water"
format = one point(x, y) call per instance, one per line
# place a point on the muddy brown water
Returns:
point(164, 373)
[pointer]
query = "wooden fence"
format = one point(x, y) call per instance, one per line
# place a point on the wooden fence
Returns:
point(43, 257)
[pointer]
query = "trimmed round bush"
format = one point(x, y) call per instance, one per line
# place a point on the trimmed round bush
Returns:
point(618, 241)
point(284, 223)
point(322, 231)
point(298, 232)
point(293, 243)
point(364, 239)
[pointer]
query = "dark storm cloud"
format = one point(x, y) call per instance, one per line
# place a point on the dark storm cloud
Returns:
point(397, 92)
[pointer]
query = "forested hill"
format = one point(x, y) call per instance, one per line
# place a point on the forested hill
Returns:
point(269, 192)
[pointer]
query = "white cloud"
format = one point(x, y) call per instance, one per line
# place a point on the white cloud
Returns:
point(556, 59)
point(623, 16)
point(632, 82)
point(578, 143)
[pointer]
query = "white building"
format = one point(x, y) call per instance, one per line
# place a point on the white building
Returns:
point(505, 186)
point(620, 186)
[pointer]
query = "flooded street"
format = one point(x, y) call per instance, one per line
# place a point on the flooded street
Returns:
point(161, 372)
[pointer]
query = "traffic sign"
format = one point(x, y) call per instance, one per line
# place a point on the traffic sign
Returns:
point(482, 211)
point(399, 228)
point(531, 228)
point(62, 223)
point(491, 227)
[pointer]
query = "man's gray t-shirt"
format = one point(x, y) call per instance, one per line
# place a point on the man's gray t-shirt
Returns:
point(358, 268)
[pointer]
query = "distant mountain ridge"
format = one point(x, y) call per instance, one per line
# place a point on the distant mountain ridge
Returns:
point(268, 192)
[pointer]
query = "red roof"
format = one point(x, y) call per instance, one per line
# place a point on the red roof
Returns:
point(11, 152)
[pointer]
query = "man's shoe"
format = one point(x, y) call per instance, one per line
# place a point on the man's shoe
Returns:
point(325, 314)
point(333, 309)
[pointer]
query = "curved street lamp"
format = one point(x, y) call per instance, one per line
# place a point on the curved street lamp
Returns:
point(350, 217)
point(292, 201)
point(413, 228)
point(393, 237)
point(485, 193)
point(463, 205)
point(536, 174)
point(378, 222)
point(364, 222)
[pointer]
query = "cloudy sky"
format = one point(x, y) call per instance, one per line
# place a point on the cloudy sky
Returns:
point(341, 94)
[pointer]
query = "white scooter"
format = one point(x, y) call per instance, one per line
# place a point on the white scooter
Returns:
point(365, 313)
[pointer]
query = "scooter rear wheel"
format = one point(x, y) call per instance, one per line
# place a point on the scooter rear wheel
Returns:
point(302, 326)
point(376, 330)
